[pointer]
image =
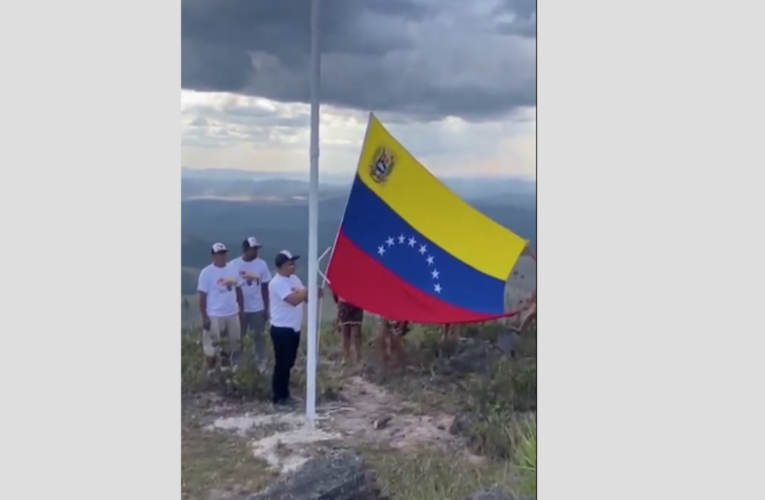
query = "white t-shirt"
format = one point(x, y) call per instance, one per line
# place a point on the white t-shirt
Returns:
point(254, 274)
point(283, 314)
point(220, 284)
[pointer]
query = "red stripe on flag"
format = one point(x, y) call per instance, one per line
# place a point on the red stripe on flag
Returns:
point(361, 280)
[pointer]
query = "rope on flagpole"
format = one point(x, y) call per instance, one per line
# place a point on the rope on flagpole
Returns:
point(323, 284)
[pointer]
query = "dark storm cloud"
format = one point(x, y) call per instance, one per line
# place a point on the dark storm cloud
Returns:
point(525, 22)
point(425, 58)
point(524, 9)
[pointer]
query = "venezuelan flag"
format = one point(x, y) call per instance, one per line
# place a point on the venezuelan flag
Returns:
point(408, 248)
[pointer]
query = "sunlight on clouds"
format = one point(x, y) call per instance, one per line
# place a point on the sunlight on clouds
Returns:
point(232, 131)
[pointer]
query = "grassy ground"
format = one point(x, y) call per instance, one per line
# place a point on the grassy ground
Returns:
point(494, 409)
point(217, 464)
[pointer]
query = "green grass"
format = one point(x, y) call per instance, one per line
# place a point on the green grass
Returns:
point(450, 475)
point(216, 464)
point(498, 408)
point(436, 475)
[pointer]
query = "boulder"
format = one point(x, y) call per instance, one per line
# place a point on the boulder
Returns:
point(336, 476)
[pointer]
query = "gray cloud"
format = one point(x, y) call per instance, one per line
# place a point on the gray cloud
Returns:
point(422, 58)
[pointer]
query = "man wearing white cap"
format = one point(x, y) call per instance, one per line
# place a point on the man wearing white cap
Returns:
point(287, 295)
point(255, 276)
point(220, 302)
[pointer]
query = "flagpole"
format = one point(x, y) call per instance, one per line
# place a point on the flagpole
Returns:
point(313, 219)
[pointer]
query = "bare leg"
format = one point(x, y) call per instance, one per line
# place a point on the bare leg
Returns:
point(455, 332)
point(346, 333)
point(212, 362)
point(382, 341)
point(356, 338)
point(531, 315)
point(397, 350)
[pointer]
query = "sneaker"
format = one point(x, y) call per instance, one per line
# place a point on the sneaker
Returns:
point(286, 405)
point(283, 407)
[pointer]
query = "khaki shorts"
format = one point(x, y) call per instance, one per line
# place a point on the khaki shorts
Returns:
point(227, 326)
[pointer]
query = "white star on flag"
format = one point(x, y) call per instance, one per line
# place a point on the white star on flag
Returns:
point(422, 250)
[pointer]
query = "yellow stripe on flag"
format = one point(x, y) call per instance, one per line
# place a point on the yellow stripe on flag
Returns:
point(433, 209)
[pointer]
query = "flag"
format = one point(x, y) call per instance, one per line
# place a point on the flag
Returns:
point(408, 248)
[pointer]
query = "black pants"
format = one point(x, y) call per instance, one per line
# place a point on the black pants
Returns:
point(286, 342)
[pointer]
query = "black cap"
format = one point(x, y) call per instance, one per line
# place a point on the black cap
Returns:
point(285, 256)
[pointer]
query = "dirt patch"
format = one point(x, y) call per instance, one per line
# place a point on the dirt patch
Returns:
point(284, 441)
point(368, 414)
point(372, 414)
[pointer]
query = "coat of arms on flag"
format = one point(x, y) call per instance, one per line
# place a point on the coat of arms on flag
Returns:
point(382, 165)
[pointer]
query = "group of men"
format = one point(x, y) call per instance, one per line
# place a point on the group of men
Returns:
point(240, 296)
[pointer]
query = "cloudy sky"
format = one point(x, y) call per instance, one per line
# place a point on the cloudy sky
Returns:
point(453, 80)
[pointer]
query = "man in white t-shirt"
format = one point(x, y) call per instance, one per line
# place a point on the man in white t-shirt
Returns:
point(287, 295)
point(255, 276)
point(220, 302)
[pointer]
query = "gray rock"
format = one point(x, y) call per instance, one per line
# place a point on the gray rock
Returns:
point(507, 342)
point(471, 356)
point(337, 476)
point(382, 422)
point(461, 424)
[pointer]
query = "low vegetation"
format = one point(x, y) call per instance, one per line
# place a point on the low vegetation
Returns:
point(491, 394)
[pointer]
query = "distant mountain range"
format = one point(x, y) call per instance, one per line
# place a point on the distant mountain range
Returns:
point(228, 205)
point(244, 185)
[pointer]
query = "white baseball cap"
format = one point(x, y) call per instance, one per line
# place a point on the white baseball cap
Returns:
point(285, 256)
point(251, 242)
point(219, 248)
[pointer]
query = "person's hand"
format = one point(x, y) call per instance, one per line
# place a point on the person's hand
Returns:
point(206, 323)
point(267, 314)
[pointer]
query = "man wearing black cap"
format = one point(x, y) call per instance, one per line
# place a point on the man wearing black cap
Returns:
point(254, 272)
point(287, 295)
point(220, 302)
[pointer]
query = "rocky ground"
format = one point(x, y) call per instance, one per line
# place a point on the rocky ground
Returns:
point(457, 420)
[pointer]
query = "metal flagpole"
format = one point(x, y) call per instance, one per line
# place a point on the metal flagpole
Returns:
point(313, 219)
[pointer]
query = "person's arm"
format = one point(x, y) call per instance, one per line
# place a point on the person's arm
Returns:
point(203, 304)
point(265, 277)
point(203, 288)
point(240, 299)
point(531, 251)
point(239, 295)
point(297, 297)
point(284, 291)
